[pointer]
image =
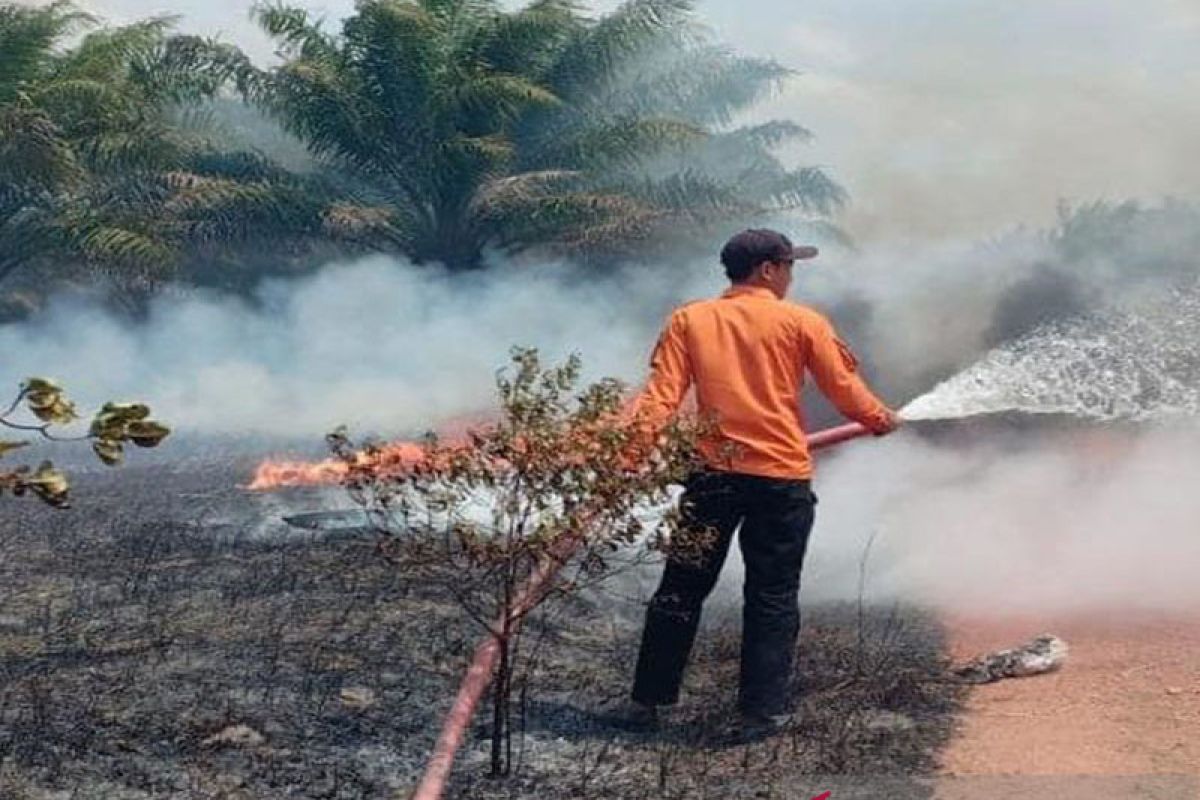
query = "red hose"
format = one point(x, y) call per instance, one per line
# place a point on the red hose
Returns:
point(479, 673)
point(831, 436)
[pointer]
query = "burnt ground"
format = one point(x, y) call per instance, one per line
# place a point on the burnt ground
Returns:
point(169, 605)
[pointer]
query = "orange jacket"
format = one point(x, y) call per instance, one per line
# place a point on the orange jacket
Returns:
point(746, 353)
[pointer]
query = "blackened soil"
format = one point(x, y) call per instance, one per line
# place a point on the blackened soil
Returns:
point(169, 606)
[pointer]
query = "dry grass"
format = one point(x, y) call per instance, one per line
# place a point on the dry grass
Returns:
point(140, 628)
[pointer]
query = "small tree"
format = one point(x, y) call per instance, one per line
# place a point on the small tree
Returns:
point(115, 425)
point(533, 507)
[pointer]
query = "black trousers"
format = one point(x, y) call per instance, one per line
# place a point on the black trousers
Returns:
point(776, 517)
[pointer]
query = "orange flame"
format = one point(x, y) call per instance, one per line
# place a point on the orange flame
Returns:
point(275, 474)
point(279, 474)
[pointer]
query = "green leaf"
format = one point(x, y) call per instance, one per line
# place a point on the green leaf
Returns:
point(50, 485)
point(146, 433)
point(41, 385)
point(45, 399)
point(110, 451)
point(112, 420)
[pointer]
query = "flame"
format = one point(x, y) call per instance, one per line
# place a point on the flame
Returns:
point(272, 474)
point(275, 474)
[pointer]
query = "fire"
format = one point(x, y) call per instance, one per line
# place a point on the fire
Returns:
point(278, 474)
point(272, 474)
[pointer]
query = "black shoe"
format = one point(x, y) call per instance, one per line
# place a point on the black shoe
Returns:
point(756, 727)
point(630, 715)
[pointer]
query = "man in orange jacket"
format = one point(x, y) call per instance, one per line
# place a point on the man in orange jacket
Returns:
point(745, 353)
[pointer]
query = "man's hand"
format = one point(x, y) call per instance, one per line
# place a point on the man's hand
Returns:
point(891, 423)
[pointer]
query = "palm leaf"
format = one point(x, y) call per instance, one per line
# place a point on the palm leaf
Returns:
point(596, 53)
point(109, 244)
point(296, 32)
point(527, 42)
point(705, 84)
point(621, 142)
point(501, 195)
point(27, 39)
point(557, 219)
point(809, 189)
point(105, 53)
point(33, 149)
point(766, 135)
point(393, 46)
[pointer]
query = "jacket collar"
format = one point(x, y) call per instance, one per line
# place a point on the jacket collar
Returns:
point(739, 290)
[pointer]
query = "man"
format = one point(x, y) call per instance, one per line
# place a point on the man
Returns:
point(745, 353)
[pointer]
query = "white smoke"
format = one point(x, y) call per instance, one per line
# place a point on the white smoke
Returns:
point(382, 345)
point(1097, 518)
point(377, 344)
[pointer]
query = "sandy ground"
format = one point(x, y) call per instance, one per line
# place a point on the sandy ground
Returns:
point(1121, 720)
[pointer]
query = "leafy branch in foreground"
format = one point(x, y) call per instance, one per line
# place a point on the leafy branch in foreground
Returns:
point(114, 426)
point(563, 485)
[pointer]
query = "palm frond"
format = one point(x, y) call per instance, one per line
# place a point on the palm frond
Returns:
point(706, 84)
point(691, 193)
point(765, 135)
point(498, 195)
point(27, 229)
point(621, 142)
point(84, 104)
point(558, 218)
point(297, 33)
point(104, 243)
point(526, 42)
point(594, 56)
point(183, 70)
point(108, 52)
point(27, 40)
point(313, 101)
point(238, 165)
point(368, 224)
point(151, 145)
point(393, 47)
point(497, 100)
point(33, 149)
point(808, 188)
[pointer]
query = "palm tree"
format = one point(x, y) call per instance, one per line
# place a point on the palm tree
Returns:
point(103, 166)
point(476, 127)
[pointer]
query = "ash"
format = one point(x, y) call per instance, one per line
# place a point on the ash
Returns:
point(171, 637)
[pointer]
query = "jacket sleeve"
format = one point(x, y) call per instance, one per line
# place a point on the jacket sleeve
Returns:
point(835, 370)
point(670, 375)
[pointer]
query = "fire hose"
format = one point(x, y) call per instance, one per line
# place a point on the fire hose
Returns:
point(479, 673)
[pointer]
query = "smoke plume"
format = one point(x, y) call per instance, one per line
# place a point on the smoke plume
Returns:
point(1094, 518)
point(377, 344)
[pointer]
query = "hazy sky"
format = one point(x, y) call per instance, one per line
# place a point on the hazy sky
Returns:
point(947, 117)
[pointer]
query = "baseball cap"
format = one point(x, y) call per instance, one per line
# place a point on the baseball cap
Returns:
point(746, 250)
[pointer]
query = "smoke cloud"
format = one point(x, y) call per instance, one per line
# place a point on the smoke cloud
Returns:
point(1094, 518)
point(957, 118)
point(377, 344)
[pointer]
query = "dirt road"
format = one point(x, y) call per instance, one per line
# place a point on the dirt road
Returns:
point(1121, 720)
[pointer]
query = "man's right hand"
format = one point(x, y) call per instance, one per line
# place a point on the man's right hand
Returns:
point(890, 424)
